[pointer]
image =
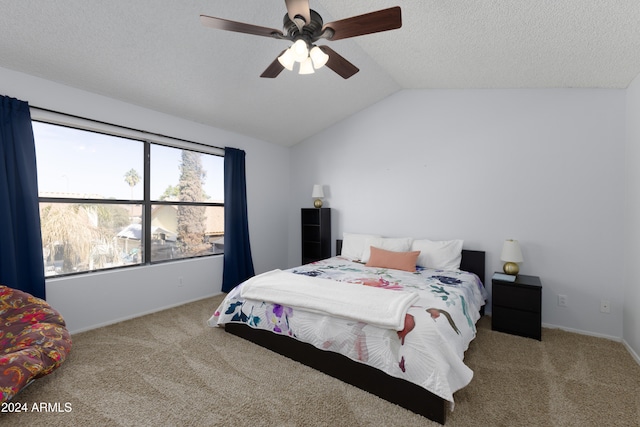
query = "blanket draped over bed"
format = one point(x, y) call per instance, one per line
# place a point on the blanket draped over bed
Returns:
point(427, 349)
point(371, 305)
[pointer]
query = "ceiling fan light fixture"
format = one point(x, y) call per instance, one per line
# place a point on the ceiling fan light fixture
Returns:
point(287, 60)
point(318, 57)
point(303, 27)
point(306, 66)
point(300, 50)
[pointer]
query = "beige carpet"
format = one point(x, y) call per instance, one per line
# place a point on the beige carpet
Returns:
point(170, 369)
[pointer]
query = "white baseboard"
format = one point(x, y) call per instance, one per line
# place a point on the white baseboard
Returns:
point(581, 332)
point(144, 313)
point(631, 351)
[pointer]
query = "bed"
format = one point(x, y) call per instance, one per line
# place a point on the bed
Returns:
point(417, 363)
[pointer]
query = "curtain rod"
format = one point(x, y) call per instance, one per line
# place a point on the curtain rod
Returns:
point(124, 127)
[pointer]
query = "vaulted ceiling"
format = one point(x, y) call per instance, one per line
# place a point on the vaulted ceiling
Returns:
point(156, 54)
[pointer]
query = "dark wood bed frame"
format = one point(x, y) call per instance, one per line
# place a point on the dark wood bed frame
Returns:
point(394, 390)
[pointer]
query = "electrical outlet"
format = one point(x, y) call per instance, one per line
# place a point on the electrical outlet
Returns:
point(180, 281)
point(605, 306)
point(562, 300)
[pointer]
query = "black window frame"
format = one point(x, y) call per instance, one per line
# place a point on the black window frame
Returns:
point(148, 139)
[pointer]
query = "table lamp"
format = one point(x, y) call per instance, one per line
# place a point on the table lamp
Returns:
point(317, 194)
point(512, 255)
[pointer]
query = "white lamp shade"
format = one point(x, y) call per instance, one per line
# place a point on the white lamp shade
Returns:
point(300, 50)
point(511, 251)
point(318, 57)
point(317, 191)
point(306, 67)
point(287, 60)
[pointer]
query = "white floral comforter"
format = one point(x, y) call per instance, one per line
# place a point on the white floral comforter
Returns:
point(429, 351)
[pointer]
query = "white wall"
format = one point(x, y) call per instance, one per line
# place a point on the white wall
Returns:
point(545, 167)
point(91, 300)
point(632, 220)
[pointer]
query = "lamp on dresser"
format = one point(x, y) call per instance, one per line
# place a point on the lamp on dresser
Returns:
point(317, 194)
point(512, 255)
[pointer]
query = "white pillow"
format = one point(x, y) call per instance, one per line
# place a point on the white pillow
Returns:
point(353, 244)
point(395, 244)
point(439, 255)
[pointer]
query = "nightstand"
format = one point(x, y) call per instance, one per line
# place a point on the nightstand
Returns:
point(516, 306)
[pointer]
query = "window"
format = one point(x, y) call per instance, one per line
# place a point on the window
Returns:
point(103, 206)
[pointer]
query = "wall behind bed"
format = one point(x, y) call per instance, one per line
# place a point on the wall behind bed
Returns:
point(543, 166)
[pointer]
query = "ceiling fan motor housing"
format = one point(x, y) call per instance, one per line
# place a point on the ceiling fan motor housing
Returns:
point(309, 32)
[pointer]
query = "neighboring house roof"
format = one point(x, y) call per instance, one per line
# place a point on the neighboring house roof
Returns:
point(134, 232)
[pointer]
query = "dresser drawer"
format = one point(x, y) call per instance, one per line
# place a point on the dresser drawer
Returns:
point(523, 323)
point(516, 297)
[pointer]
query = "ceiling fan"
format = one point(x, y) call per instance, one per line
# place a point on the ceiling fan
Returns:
point(304, 27)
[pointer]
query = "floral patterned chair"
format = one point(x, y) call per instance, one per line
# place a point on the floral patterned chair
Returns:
point(34, 340)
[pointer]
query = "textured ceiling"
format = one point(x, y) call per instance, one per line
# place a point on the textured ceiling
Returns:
point(155, 53)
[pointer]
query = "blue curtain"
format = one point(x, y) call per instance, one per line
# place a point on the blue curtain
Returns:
point(238, 264)
point(21, 263)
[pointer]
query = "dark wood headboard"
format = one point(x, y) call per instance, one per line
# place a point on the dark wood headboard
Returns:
point(472, 261)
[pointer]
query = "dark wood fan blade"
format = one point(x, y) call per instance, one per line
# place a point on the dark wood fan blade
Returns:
point(337, 63)
point(239, 27)
point(298, 7)
point(374, 22)
point(273, 69)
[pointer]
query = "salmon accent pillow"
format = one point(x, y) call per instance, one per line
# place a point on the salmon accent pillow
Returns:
point(397, 260)
point(395, 244)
